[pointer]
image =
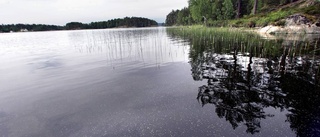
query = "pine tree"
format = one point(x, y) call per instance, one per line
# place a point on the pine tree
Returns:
point(194, 6)
point(217, 10)
point(227, 9)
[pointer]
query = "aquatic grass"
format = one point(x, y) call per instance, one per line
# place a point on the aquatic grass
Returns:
point(224, 40)
point(203, 38)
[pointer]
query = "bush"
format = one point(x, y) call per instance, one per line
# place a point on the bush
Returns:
point(280, 23)
point(311, 9)
point(251, 24)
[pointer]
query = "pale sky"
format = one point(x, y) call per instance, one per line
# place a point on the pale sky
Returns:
point(60, 12)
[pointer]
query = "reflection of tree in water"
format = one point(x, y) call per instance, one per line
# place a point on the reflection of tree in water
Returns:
point(238, 93)
point(242, 83)
point(303, 105)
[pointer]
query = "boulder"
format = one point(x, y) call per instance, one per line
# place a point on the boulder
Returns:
point(271, 29)
point(312, 30)
point(294, 24)
point(297, 19)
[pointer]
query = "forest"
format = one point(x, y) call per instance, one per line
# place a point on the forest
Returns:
point(28, 27)
point(225, 12)
point(114, 23)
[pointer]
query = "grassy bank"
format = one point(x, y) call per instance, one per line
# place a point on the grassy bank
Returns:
point(272, 16)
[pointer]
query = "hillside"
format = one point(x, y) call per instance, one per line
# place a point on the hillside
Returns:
point(244, 13)
point(277, 15)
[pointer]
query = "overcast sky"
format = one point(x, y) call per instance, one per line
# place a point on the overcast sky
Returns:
point(59, 12)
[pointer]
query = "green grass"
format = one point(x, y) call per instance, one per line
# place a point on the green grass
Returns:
point(261, 20)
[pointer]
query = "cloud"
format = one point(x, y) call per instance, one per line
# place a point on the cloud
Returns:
point(4, 2)
point(77, 5)
point(63, 11)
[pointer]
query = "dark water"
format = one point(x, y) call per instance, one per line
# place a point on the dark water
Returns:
point(152, 82)
point(249, 75)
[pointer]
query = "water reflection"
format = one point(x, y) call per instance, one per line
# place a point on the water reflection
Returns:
point(148, 46)
point(244, 79)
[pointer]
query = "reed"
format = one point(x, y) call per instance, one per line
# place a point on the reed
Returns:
point(225, 40)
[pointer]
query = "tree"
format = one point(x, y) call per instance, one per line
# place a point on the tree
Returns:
point(74, 25)
point(184, 17)
point(217, 10)
point(201, 9)
point(172, 18)
point(238, 9)
point(255, 5)
point(206, 9)
point(210, 10)
point(227, 9)
point(195, 10)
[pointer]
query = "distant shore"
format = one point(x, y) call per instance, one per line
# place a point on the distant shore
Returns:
point(127, 22)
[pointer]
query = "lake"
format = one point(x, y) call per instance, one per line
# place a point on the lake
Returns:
point(157, 82)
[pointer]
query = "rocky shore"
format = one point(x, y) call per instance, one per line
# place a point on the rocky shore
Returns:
point(294, 24)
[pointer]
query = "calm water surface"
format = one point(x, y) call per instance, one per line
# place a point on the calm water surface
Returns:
point(150, 82)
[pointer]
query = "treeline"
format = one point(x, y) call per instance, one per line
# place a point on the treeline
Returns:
point(114, 23)
point(203, 11)
point(29, 27)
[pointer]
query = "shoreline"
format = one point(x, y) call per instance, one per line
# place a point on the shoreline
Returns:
point(81, 29)
point(291, 29)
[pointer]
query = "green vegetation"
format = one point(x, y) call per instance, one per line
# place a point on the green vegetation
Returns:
point(114, 23)
point(243, 68)
point(207, 39)
point(276, 17)
point(28, 27)
point(243, 13)
point(210, 39)
point(227, 9)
